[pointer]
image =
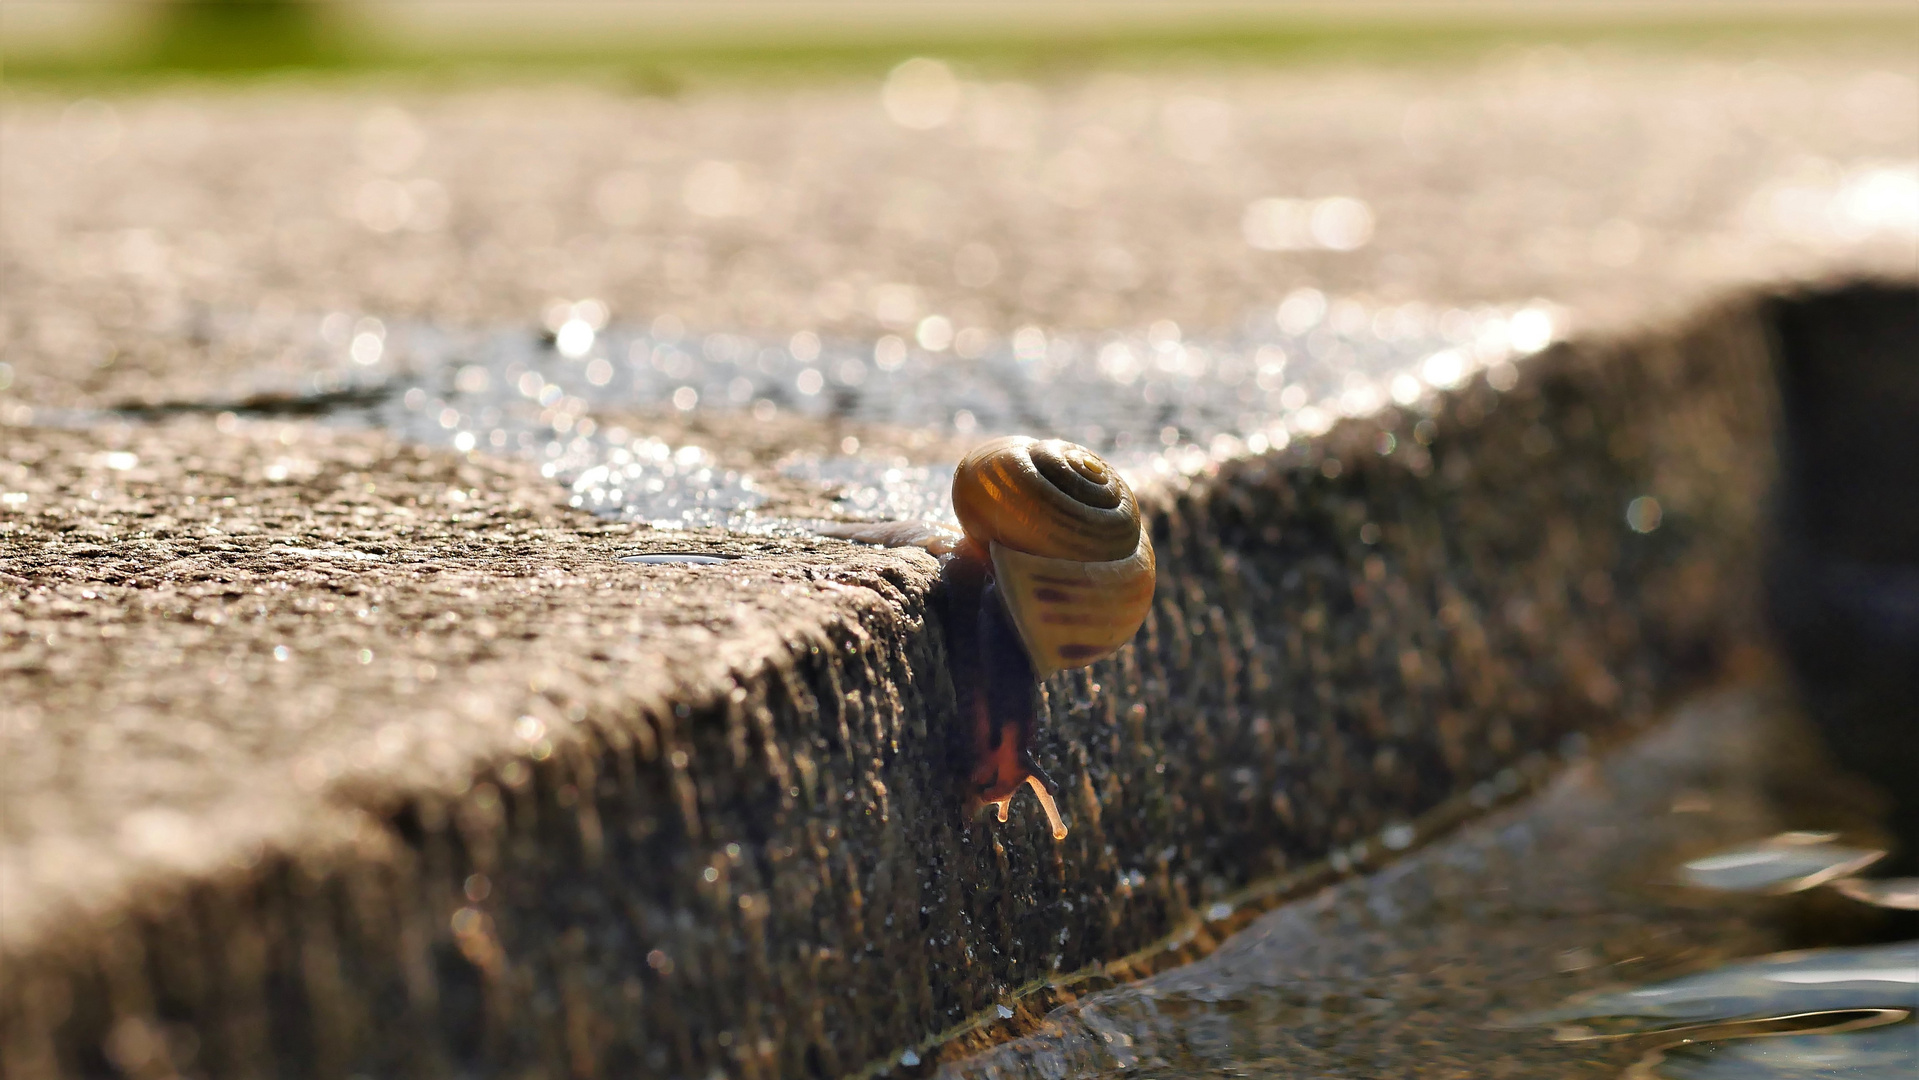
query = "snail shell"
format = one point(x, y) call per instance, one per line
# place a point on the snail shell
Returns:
point(1062, 530)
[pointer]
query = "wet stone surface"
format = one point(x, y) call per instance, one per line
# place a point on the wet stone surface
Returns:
point(1436, 966)
point(330, 754)
point(634, 817)
point(587, 401)
point(1149, 401)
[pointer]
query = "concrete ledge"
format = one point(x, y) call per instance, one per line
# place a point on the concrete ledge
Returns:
point(726, 840)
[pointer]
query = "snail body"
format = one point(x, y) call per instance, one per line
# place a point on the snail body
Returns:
point(1051, 571)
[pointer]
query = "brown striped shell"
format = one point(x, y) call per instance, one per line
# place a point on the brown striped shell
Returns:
point(1071, 561)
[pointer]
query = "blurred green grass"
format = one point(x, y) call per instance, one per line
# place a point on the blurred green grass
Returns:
point(238, 36)
point(250, 39)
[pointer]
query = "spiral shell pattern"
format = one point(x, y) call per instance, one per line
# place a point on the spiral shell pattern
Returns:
point(1062, 528)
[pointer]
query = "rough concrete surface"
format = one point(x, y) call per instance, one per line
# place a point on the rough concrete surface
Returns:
point(537, 812)
point(726, 831)
point(1626, 186)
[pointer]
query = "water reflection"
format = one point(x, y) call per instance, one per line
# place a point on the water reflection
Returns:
point(1815, 1014)
point(1901, 894)
point(1820, 1013)
point(1796, 861)
point(1789, 862)
point(1786, 984)
point(1826, 1013)
point(1880, 1053)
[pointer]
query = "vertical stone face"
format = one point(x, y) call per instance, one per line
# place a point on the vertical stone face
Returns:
point(1843, 581)
point(764, 873)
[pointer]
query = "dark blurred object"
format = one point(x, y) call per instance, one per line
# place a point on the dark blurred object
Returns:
point(245, 35)
point(1843, 582)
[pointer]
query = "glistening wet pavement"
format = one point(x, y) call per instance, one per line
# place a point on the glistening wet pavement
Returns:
point(1154, 403)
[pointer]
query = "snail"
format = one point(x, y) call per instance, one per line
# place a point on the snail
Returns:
point(1051, 571)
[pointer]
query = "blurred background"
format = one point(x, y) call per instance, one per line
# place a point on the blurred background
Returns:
point(856, 169)
point(677, 38)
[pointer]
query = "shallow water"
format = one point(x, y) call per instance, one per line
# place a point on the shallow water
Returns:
point(1789, 862)
point(1882, 1053)
point(1854, 1007)
point(1785, 984)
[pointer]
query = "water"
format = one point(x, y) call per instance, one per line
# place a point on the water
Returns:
point(1789, 862)
point(1819, 1013)
point(1899, 894)
point(1878, 1053)
point(1796, 984)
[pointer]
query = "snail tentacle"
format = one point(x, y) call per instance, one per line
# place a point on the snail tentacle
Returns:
point(1047, 793)
point(1043, 790)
